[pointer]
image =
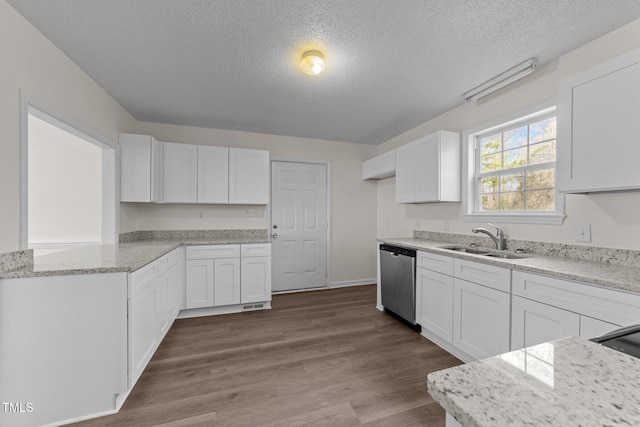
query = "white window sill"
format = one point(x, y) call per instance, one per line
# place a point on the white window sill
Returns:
point(515, 218)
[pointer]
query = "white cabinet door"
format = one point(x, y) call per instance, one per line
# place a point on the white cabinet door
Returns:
point(427, 170)
point(180, 173)
point(480, 319)
point(142, 332)
point(163, 311)
point(534, 323)
point(226, 282)
point(405, 174)
point(248, 176)
point(199, 283)
point(176, 286)
point(598, 125)
point(140, 168)
point(213, 174)
point(256, 279)
point(435, 311)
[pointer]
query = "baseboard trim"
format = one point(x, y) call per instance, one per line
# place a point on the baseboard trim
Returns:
point(353, 283)
point(213, 311)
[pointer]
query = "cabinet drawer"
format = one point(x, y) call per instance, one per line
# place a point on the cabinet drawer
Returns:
point(169, 260)
point(142, 278)
point(439, 263)
point(255, 249)
point(488, 275)
point(620, 308)
point(213, 251)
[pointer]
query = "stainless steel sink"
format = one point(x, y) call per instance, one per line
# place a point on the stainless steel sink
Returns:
point(504, 255)
point(467, 250)
point(484, 252)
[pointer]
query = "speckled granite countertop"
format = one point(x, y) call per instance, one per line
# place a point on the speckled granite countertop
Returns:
point(621, 277)
point(568, 382)
point(112, 258)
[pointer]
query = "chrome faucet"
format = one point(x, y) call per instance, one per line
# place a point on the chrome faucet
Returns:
point(498, 239)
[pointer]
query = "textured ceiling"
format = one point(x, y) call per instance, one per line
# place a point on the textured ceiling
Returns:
point(233, 64)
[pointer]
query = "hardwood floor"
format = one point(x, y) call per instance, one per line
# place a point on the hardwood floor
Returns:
point(322, 358)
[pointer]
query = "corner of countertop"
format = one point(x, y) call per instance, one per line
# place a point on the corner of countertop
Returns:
point(16, 260)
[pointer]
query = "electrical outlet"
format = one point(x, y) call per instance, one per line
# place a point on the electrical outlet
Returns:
point(583, 233)
point(249, 212)
point(417, 223)
point(445, 225)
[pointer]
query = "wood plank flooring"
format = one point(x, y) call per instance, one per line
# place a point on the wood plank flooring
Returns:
point(321, 358)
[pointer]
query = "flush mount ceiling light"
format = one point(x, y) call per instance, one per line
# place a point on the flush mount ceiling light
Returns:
point(501, 80)
point(312, 62)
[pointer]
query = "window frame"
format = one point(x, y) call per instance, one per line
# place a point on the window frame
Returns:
point(470, 187)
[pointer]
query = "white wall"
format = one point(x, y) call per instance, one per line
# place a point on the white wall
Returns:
point(33, 64)
point(65, 186)
point(614, 217)
point(353, 201)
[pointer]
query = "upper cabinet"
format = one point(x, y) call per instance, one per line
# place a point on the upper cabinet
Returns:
point(248, 176)
point(186, 173)
point(428, 169)
point(381, 166)
point(598, 127)
point(140, 168)
point(180, 173)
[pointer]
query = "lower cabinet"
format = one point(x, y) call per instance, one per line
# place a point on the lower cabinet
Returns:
point(155, 298)
point(224, 275)
point(534, 323)
point(435, 302)
point(481, 318)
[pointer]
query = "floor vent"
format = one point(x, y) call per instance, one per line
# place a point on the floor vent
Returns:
point(252, 307)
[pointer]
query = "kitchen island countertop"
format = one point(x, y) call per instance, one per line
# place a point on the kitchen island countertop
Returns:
point(567, 382)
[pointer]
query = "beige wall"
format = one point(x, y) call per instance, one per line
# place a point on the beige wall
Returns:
point(614, 217)
point(352, 201)
point(32, 64)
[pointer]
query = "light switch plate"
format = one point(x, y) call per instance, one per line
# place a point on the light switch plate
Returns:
point(583, 233)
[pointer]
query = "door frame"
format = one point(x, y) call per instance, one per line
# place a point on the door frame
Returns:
point(327, 163)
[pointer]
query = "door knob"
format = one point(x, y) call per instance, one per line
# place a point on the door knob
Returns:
point(274, 235)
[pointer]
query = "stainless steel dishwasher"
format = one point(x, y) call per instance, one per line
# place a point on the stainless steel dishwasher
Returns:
point(398, 282)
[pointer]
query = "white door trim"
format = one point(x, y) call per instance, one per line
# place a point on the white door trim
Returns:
point(110, 166)
point(327, 163)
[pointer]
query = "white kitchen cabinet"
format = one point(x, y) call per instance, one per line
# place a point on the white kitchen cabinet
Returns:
point(226, 281)
point(155, 297)
point(591, 328)
point(142, 332)
point(435, 303)
point(213, 276)
point(199, 283)
point(248, 176)
point(180, 173)
point(213, 174)
point(255, 272)
point(598, 127)
point(481, 319)
point(498, 278)
point(381, 166)
point(535, 323)
point(140, 168)
point(428, 169)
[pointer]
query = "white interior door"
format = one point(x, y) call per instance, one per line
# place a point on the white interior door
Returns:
point(299, 225)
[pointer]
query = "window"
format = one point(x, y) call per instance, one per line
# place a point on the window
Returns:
point(512, 170)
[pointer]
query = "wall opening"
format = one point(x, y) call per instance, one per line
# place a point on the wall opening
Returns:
point(70, 186)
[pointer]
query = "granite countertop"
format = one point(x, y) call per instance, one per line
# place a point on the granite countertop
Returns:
point(621, 277)
point(113, 258)
point(568, 382)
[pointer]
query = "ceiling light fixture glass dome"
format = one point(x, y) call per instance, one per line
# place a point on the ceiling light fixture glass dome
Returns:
point(312, 62)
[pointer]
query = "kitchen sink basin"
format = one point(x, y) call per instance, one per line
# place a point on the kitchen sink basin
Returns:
point(467, 250)
point(483, 252)
point(504, 256)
